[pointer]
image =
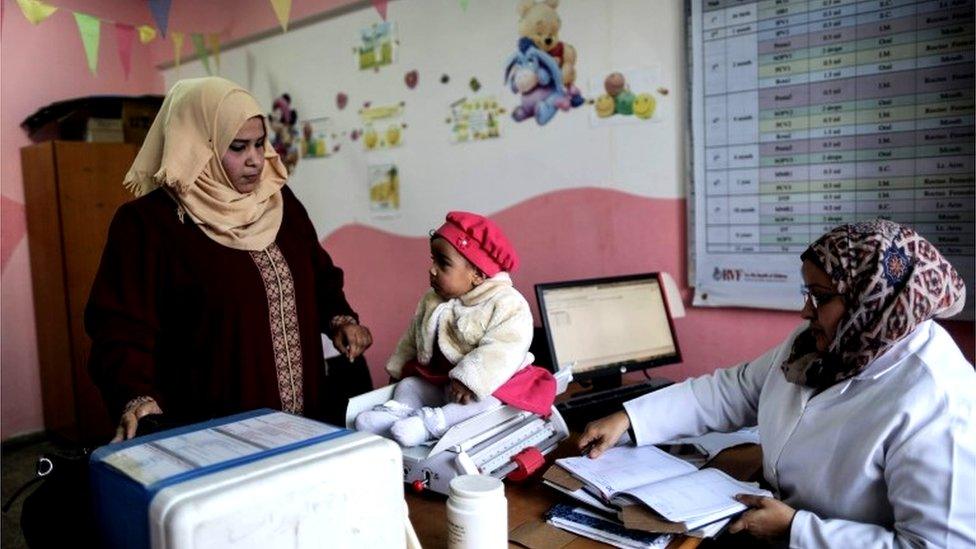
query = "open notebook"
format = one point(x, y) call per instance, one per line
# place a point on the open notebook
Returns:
point(654, 490)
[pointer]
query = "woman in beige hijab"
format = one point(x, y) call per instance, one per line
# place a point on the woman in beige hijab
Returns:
point(213, 289)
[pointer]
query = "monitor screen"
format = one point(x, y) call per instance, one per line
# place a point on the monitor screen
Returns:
point(609, 325)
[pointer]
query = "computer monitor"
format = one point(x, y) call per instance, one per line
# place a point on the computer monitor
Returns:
point(604, 327)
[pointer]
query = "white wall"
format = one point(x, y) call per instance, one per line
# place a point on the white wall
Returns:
point(316, 62)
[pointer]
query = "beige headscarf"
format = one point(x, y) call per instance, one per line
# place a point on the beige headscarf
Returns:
point(197, 123)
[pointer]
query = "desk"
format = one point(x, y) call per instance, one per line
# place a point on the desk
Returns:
point(530, 500)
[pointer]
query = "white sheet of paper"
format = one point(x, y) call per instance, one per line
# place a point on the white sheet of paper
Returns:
point(705, 494)
point(710, 444)
point(625, 467)
point(162, 458)
point(277, 429)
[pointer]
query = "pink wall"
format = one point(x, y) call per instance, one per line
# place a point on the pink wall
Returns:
point(574, 233)
point(40, 65)
point(43, 64)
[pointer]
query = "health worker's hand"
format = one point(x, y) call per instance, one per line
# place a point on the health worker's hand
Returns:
point(602, 434)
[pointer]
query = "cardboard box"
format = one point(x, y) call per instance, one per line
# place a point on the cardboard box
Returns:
point(68, 120)
point(137, 118)
point(104, 130)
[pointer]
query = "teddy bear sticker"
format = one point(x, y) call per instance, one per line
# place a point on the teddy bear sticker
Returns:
point(539, 25)
point(542, 71)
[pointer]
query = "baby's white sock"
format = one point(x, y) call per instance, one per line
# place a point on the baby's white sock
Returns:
point(410, 431)
point(382, 417)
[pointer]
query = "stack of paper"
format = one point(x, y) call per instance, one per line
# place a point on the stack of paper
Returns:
point(652, 491)
point(594, 526)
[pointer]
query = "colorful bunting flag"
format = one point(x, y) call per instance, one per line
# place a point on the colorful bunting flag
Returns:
point(201, 50)
point(36, 11)
point(146, 34)
point(380, 6)
point(213, 40)
point(282, 9)
point(90, 29)
point(125, 35)
point(160, 12)
point(177, 38)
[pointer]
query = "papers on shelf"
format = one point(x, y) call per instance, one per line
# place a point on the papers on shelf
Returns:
point(594, 526)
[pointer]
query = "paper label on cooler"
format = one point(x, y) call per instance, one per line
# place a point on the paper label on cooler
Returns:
point(163, 458)
point(147, 464)
point(277, 429)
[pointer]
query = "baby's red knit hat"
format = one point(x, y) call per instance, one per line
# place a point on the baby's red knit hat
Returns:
point(480, 241)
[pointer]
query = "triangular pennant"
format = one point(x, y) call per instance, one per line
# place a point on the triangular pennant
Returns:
point(125, 35)
point(282, 9)
point(213, 42)
point(177, 38)
point(250, 65)
point(36, 11)
point(201, 50)
point(380, 6)
point(160, 12)
point(464, 4)
point(146, 34)
point(90, 29)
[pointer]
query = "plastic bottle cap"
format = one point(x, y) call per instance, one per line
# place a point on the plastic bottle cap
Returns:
point(476, 486)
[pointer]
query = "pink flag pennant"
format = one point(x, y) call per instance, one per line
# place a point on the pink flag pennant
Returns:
point(380, 6)
point(125, 35)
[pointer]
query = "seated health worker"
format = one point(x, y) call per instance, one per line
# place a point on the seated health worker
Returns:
point(866, 414)
point(213, 290)
point(467, 348)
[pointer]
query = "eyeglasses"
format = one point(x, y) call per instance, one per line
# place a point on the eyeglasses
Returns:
point(817, 298)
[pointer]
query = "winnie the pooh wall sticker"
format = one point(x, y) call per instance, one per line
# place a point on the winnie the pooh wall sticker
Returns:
point(539, 25)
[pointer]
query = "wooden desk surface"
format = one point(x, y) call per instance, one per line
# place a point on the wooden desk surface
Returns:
point(530, 500)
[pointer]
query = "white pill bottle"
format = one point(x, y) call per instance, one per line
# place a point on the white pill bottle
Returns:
point(477, 513)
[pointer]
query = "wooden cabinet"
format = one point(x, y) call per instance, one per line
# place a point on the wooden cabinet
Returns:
point(72, 190)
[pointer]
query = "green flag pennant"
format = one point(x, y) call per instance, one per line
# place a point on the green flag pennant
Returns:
point(90, 29)
point(201, 49)
point(464, 4)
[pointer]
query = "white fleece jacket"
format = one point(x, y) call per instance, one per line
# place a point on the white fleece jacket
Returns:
point(485, 333)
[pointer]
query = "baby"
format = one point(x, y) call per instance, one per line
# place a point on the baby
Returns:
point(467, 348)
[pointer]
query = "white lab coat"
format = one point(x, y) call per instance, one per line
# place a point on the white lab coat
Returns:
point(885, 459)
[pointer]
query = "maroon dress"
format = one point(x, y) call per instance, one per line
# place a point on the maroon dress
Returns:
point(205, 329)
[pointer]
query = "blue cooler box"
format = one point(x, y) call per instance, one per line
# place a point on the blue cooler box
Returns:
point(258, 479)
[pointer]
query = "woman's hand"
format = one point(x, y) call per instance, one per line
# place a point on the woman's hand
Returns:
point(352, 339)
point(600, 435)
point(133, 412)
point(768, 519)
point(459, 392)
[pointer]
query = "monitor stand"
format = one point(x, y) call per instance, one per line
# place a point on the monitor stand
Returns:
point(602, 383)
point(613, 381)
point(604, 396)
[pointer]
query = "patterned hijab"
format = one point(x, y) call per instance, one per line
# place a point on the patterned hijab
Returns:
point(197, 123)
point(891, 280)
